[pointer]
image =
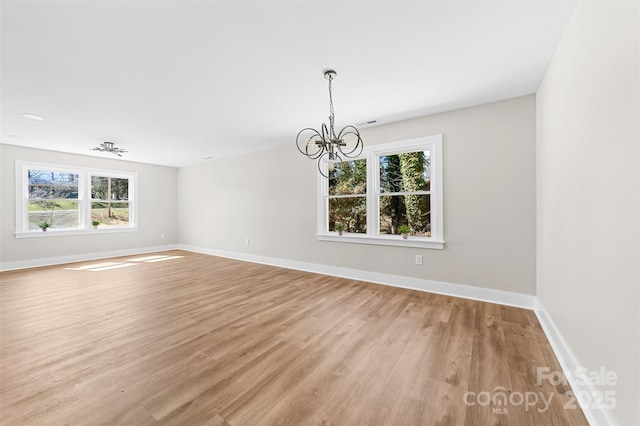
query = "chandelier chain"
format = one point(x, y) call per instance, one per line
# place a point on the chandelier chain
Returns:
point(331, 112)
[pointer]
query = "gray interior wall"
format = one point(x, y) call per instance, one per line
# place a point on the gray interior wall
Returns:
point(589, 194)
point(269, 197)
point(157, 210)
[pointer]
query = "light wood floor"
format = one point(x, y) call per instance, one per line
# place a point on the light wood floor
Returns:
point(200, 340)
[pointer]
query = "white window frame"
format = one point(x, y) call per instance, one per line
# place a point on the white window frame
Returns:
point(84, 200)
point(372, 154)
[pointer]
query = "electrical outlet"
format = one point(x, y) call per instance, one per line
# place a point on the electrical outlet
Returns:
point(418, 259)
point(247, 241)
point(162, 235)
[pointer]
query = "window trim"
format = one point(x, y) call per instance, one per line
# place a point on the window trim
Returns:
point(84, 200)
point(372, 154)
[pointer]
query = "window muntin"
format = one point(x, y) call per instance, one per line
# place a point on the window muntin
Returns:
point(402, 186)
point(69, 199)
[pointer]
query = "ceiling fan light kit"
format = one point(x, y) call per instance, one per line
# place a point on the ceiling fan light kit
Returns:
point(109, 147)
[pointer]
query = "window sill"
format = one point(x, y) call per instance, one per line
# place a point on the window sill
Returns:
point(391, 240)
point(65, 232)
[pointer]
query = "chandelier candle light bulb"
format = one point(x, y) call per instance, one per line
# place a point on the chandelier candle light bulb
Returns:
point(325, 145)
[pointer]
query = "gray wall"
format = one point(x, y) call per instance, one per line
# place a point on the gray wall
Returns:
point(588, 210)
point(157, 210)
point(489, 202)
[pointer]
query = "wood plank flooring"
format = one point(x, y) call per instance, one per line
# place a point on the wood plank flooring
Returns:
point(190, 339)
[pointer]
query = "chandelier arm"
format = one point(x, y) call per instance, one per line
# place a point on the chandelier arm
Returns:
point(326, 136)
point(316, 153)
point(322, 160)
point(358, 147)
point(320, 168)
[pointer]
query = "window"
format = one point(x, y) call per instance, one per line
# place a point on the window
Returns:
point(348, 195)
point(388, 186)
point(110, 200)
point(405, 196)
point(68, 199)
point(52, 198)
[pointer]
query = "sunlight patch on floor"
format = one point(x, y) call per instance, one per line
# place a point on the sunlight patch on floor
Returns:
point(105, 266)
point(92, 266)
point(146, 258)
point(164, 258)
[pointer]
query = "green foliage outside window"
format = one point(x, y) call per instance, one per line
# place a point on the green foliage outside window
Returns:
point(110, 197)
point(348, 178)
point(404, 194)
point(407, 173)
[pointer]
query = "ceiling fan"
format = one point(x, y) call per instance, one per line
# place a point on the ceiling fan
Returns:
point(109, 147)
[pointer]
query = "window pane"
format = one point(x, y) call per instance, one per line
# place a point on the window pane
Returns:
point(58, 213)
point(46, 184)
point(405, 172)
point(350, 211)
point(348, 177)
point(99, 188)
point(110, 213)
point(411, 210)
point(109, 188)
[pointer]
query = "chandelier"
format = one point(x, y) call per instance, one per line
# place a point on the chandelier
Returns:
point(109, 147)
point(326, 145)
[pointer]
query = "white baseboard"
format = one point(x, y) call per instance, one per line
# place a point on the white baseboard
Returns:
point(458, 290)
point(570, 365)
point(24, 264)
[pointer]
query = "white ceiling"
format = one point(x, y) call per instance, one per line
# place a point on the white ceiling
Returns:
point(176, 81)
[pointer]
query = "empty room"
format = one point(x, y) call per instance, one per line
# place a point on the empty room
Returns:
point(319, 212)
